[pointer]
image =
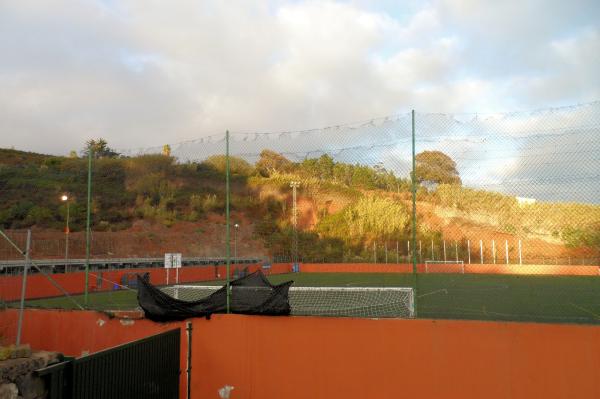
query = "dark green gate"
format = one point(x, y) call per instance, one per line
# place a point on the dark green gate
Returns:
point(144, 369)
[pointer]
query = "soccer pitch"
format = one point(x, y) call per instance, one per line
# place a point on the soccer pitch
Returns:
point(572, 299)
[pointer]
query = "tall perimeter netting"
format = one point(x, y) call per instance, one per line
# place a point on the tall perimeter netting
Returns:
point(515, 199)
point(505, 224)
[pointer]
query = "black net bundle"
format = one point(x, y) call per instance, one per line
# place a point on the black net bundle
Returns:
point(251, 294)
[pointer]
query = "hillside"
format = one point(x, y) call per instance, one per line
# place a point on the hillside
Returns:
point(150, 204)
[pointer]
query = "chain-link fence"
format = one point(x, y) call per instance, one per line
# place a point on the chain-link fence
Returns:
point(501, 220)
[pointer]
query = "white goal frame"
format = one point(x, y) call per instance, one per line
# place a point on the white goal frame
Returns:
point(410, 303)
point(445, 262)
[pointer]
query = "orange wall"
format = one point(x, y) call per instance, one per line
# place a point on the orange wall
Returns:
point(38, 286)
point(360, 358)
point(563, 270)
point(75, 332)
point(308, 357)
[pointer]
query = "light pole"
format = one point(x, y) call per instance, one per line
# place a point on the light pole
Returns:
point(65, 198)
point(235, 242)
point(294, 185)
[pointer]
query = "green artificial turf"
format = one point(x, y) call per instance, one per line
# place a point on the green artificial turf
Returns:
point(571, 299)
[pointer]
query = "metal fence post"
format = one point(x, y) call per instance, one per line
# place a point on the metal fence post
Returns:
point(24, 286)
point(87, 226)
point(227, 239)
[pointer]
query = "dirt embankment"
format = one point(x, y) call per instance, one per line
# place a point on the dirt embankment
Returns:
point(144, 239)
point(207, 238)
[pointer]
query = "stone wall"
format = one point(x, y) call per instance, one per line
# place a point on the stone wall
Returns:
point(17, 377)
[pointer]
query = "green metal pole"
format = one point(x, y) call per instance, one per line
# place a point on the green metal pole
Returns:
point(67, 232)
point(87, 229)
point(414, 210)
point(227, 238)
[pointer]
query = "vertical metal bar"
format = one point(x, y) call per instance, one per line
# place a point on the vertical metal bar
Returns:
point(67, 238)
point(481, 251)
point(494, 250)
point(386, 253)
point(375, 252)
point(294, 185)
point(520, 253)
point(235, 244)
point(432, 251)
point(420, 252)
point(87, 228)
point(397, 253)
point(469, 250)
point(189, 359)
point(444, 250)
point(506, 249)
point(227, 239)
point(24, 286)
point(456, 250)
point(414, 206)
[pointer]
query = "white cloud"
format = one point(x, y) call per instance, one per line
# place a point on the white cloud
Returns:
point(142, 73)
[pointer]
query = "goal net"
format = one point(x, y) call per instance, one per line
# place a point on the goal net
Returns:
point(442, 266)
point(369, 302)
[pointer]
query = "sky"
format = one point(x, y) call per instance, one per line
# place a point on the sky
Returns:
point(142, 73)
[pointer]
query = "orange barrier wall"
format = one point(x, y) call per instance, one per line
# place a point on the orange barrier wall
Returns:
point(38, 286)
point(308, 357)
point(77, 333)
point(556, 270)
point(361, 358)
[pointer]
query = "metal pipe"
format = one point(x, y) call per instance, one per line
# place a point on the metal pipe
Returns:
point(227, 238)
point(87, 225)
point(24, 286)
point(189, 359)
point(67, 231)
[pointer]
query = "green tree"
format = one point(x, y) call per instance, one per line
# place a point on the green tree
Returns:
point(436, 167)
point(321, 167)
point(271, 161)
point(237, 166)
point(99, 148)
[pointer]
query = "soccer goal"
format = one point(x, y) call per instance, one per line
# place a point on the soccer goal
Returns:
point(369, 302)
point(442, 266)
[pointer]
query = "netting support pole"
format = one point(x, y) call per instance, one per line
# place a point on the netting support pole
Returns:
point(444, 250)
point(87, 226)
point(481, 251)
point(24, 287)
point(294, 185)
point(469, 250)
point(375, 252)
point(414, 209)
point(386, 253)
point(227, 238)
point(456, 250)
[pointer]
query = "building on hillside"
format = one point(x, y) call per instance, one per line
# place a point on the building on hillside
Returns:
point(525, 201)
